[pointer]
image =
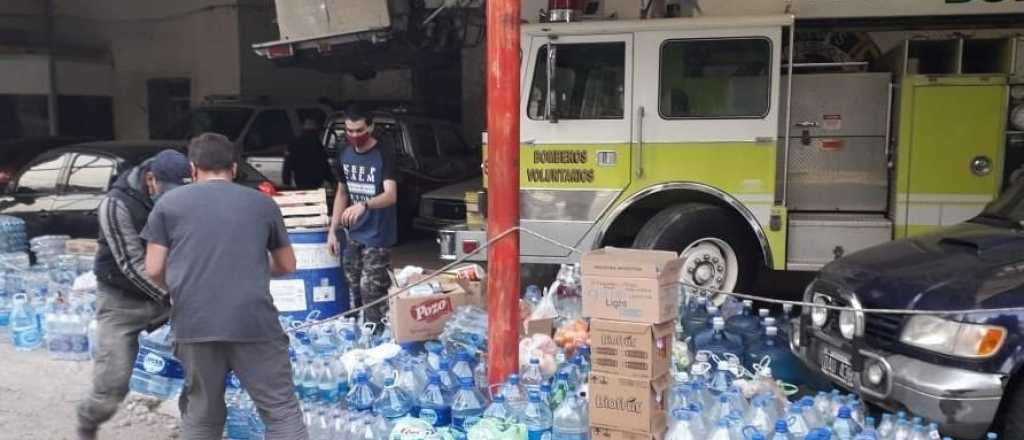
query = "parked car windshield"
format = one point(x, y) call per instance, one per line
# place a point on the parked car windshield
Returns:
point(228, 121)
point(1008, 207)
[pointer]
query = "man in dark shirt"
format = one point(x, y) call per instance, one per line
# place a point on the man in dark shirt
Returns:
point(365, 205)
point(305, 162)
point(128, 302)
point(215, 245)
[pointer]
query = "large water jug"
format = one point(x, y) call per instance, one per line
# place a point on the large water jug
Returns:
point(745, 324)
point(572, 419)
point(695, 315)
point(785, 366)
point(717, 340)
point(157, 373)
point(434, 406)
point(25, 332)
point(467, 406)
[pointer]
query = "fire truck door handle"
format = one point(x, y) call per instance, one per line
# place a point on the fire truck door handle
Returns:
point(640, 141)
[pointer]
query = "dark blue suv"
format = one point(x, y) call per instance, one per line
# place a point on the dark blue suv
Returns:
point(960, 370)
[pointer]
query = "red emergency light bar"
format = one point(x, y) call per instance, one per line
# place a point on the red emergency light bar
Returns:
point(565, 10)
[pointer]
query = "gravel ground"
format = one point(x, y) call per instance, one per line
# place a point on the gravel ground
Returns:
point(38, 396)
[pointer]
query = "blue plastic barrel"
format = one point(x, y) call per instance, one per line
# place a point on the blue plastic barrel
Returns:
point(318, 285)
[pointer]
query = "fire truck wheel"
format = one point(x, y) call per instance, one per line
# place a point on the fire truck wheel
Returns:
point(718, 251)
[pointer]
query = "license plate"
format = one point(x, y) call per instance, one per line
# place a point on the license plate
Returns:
point(838, 365)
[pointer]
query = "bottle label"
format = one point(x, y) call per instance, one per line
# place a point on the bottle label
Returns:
point(5, 318)
point(541, 434)
point(58, 344)
point(79, 344)
point(464, 423)
point(437, 417)
point(329, 395)
point(156, 364)
point(569, 436)
point(27, 338)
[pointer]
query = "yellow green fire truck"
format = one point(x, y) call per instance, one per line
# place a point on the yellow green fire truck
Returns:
point(745, 143)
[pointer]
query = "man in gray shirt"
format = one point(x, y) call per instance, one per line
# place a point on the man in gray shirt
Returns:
point(215, 245)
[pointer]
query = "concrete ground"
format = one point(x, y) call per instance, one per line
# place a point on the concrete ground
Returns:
point(38, 395)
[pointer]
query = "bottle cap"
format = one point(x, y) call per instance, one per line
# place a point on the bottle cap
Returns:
point(844, 412)
point(763, 313)
point(781, 427)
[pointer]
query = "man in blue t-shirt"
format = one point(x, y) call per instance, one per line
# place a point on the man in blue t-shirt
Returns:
point(365, 205)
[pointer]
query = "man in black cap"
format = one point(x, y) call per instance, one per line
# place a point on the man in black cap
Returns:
point(128, 302)
point(216, 245)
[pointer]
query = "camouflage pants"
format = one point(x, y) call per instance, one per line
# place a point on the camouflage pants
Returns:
point(366, 270)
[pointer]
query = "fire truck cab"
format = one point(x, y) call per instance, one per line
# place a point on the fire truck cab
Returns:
point(709, 136)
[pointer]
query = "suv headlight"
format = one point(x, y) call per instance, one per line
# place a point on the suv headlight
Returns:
point(819, 315)
point(953, 338)
point(848, 324)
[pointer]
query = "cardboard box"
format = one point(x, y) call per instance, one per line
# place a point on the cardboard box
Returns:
point(422, 318)
point(597, 433)
point(642, 300)
point(629, 404)
point(631, 285)
point(627, 263)
point(631, 349)
point(544, 326)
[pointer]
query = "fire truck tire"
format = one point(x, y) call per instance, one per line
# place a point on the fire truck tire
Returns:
point(719, 250)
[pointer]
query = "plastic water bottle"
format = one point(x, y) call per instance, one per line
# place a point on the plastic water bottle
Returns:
point(434, 354)
point(561, 388)
point(157, 372)
point(78, 335)
point(515, 393)
point(434, 407)
point(796, 424)
point(918, 433)
point(467, 405)
point(327, 386)
point(537, 417)
point(781, 431)
point(409, 381)
point(236, 426)
point(360, 396)
point(844, 428)
point(309, 387)
point(449, 383)
point(500, 409)
point(533, 295)
point(463, 367)
point(340, 374)
point(532, 376)
point(480, 377)
point(571, 419)
point(933, 431)
point(25, 332)
point(722, 380)
point(717, 339)
point(393, 403)
point(5, 301)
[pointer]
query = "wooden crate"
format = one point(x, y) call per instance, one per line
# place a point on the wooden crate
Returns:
point(304, 209)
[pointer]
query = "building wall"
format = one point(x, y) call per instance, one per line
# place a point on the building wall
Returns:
point(194, 39)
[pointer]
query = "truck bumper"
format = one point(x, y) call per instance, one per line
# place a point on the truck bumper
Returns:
point(457, 241)
point(460, 240)
point(963, 402)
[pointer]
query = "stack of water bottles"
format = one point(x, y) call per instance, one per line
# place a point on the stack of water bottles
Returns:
point(356, 385)
point(13, 235)
point(40, 306)
point(47, 248)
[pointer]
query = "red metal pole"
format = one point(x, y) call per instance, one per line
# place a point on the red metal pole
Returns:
point(503, 187)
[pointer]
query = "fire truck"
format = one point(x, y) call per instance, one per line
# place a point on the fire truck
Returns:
point(766, 140)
